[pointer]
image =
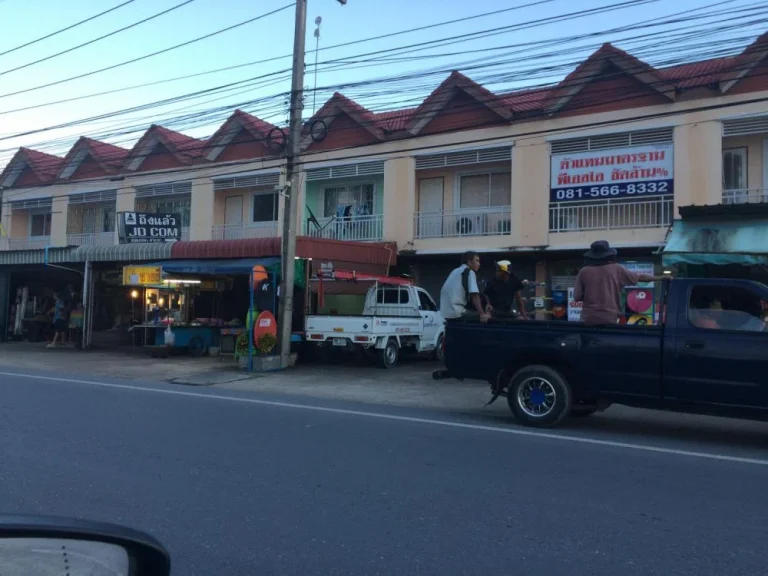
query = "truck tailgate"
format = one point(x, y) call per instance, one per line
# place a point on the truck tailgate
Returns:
point(339, 326)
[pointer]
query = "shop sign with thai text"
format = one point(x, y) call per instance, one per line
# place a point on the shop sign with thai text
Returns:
point(143, 228)
point(142, 275)
point(635, 172)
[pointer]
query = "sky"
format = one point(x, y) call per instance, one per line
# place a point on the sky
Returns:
point(525, 53)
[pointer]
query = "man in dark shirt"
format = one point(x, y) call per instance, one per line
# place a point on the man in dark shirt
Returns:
point(600, 282)
point(502, 292)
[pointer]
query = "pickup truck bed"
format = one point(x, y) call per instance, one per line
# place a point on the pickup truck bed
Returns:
point(551, 368)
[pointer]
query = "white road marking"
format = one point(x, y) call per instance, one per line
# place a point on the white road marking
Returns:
point(429, 421)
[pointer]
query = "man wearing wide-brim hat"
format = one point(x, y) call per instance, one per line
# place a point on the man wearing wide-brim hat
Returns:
point(600, 282)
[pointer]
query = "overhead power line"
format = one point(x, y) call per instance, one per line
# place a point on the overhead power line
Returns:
point(146, 56)
point(57, 32)
point(89, 42)
point(275, 58)
point(450, 128)
point(392, 82)
point(232, 169)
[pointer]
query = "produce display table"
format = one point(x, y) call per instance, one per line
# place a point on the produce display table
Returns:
point(196, 338)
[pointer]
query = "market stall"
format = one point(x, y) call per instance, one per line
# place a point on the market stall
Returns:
point(201, 305)
point(177, 312)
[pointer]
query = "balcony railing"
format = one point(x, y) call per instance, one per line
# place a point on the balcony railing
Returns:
point(29, 243)
point(185, 232)
point(358, 228)
point(92, 239)
point(745, 196)
point(491, 221)
point(610, 214)
point(240, 231)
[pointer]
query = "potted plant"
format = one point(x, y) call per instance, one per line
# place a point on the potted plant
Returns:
point(262, 352)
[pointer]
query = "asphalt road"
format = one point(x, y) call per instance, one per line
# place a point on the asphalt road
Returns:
point(237, 483)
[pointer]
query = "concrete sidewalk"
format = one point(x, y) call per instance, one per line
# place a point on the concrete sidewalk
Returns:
point(409, 385)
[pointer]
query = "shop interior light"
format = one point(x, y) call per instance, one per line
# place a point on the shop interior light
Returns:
point(134, 294)
point(179, 281)
point(667, 272)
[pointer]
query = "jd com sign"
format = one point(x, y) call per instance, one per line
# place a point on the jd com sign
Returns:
point(142, 228)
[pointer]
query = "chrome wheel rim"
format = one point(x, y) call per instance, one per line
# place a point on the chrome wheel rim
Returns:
point(536, 396)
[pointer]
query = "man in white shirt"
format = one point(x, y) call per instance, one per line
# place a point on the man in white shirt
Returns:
point(460, 289)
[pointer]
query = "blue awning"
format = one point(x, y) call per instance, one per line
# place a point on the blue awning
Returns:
point(224, 267)
point(743, 242)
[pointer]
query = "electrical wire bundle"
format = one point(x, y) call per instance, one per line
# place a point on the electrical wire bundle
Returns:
point(715, 32)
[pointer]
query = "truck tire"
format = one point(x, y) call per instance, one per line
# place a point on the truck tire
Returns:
point(539, 396)
point(389, 355)
point(439, 353)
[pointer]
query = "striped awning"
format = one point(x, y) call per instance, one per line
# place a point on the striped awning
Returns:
point(55, 256)
point(123, 252)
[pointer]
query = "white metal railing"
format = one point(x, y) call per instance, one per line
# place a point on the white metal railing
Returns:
point(610, 214)
point(185, 232)
point(745, 196)
point(491, 221)
point(92, 239)
point(29, 243)
point(240, 231)
point(359, 228)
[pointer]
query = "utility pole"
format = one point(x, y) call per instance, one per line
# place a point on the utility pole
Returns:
point(292, 184)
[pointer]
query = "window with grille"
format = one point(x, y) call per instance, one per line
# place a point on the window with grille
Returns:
point(347, 201)
point(166, 205)
point(485, 190)
point(91, 219)
point(265, 207)
point(40, 224)
point(735, 169)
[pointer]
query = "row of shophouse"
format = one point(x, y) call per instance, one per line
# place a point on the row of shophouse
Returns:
point(534, 176)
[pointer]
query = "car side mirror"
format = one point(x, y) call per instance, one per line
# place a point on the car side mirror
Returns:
point(50, 546)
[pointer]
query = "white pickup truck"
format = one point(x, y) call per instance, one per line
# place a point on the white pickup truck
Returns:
point(394, 317)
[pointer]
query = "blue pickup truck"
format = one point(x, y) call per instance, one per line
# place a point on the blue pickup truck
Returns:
point(708, 354)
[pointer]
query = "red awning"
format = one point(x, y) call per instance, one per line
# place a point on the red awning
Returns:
point(379, 253)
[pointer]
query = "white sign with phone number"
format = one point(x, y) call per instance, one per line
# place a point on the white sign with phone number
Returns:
point(632, 172)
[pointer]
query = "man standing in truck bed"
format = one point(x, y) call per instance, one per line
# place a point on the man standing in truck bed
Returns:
point(460, 295)
point(600, 282)
point(503, 291)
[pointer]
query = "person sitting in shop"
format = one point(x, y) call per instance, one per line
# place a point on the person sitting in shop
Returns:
point(502, 292)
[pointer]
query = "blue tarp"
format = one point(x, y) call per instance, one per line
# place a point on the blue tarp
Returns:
point(223, 267)
point(743, 242)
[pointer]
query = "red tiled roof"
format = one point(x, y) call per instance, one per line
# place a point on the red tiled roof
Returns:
point(179, 142)
point(525, 100)
point(106, 153)
point(253, 122)
point(593, 66)
point(340, 103)
point(46, 166)
point(258, 128)
point(742, 64)
point(696, 74)
point(443, 94)
point(721, 72)
point(394, 120)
